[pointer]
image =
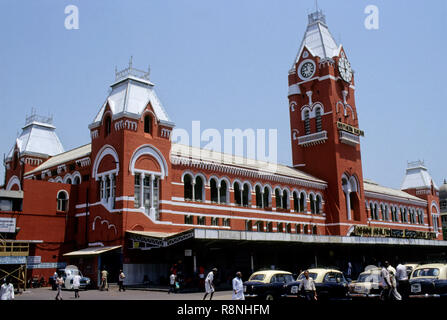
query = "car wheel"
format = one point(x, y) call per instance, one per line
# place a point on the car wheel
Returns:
point(269, 297)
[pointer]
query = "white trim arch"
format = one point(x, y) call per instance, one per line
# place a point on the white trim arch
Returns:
point(104, 151)
point(58, 180)
point(185, 173)
point(66, 177)
point(152, 151)
point(213, 177)
point(14, 180)
point(75, 175)
point(434, 204)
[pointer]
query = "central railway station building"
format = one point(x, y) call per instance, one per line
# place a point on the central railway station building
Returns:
point(131, 198)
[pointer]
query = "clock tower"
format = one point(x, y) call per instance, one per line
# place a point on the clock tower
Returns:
point(325, 132)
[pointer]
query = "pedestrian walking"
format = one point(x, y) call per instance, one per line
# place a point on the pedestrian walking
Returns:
point(104, 284)
point(238, 287)
point(54, 281)
point(172, 288)
point(7, 290)
point(121, 281)
point(402, 280)
point(385, 281)
point(349, 271)
point(393, 291)
point(209, 284)
point(308, 285)
point(76, 284)
point(59, 282)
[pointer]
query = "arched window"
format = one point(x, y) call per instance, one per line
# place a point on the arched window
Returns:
point(77, 180)
point(312, 203)
point(305, 231)
point(223, 191)
point(187, 183)
point(214, 191)
point(303, 206)
point(189, 220)
point(198, 189)
point(314, 230)
point(246, 195)
point(258, 197)
point(108, 126)
point(306, 122)
point(318, 204)
point(237, 194)
point(285, 199)
point(280, 227)
point(62, 201)
point(298, 228)
point(289, 228)
point(278, 199)
point(148, 124)
point(69, 181)
point(318, 119)
point(296, 204)
point(270, 227)
point(248, 225)
point(266, 197)
point(260, 226)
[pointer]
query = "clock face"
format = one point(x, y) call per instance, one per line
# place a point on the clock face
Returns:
point(344, 67)
point(307, 69)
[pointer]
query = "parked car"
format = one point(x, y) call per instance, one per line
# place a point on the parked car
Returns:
point(67, 275)
point(429, 281)
point(329, 284)
point(267, 284)
point(410, 267)
point(368, 284)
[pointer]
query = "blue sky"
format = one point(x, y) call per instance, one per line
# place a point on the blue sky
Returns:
point(225, 63)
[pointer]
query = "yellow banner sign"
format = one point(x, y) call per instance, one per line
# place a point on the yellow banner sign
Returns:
point(350, 129)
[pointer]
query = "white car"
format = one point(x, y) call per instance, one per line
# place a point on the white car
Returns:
point(68, 273)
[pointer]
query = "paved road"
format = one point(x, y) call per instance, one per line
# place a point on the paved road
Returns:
point(114, 294)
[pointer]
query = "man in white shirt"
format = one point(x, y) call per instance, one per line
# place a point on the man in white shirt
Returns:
point(7, 290)
point(308, 284)
point(402, 279)
point(238, 287)
point(76, 284)
point(385, 280)
point(172, 283)
point(209, 284)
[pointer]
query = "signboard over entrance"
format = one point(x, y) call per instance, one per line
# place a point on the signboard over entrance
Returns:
point(364, 231)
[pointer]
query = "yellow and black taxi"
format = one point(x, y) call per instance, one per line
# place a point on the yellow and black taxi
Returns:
point(429, 281)
point(329, 284)
point(368, 284)
point(267, 284)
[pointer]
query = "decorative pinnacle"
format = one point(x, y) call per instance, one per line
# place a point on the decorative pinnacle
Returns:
point(131, 71)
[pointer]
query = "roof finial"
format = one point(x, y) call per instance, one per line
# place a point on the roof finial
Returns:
point(130, 62)
point(316, 5)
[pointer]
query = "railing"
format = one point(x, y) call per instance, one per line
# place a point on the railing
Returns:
point(312, 139)
point(349, 138)
point(13, 248)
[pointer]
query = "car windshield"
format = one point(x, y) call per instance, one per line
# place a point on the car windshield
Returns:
point(426, 272)
point(281, 277)
point(368, 277)
point(313, 275)
point(257, 277)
